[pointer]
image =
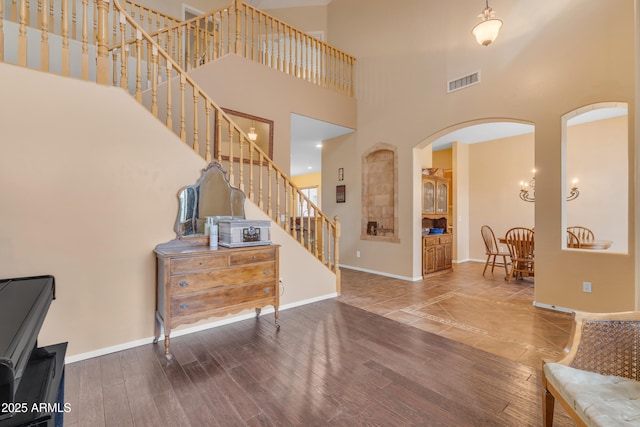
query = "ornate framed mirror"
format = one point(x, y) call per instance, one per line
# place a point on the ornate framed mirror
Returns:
point(212, 195)
point(257, 128)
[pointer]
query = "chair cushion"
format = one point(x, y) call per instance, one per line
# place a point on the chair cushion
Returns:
point(599, 400)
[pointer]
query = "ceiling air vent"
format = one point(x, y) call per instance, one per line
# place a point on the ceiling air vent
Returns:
point(462, 82)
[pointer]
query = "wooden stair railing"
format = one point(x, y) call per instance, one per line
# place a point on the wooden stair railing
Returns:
point(64, 21)
point(243, 30)
point(159, 83)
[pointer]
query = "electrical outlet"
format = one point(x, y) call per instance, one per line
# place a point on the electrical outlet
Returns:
point(586, 286)
point(357, 254)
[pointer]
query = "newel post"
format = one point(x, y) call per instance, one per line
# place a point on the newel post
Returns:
point(336, 254)
point(102, 40)
point(238, 10)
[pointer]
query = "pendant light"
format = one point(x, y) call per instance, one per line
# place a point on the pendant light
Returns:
point(487, 30)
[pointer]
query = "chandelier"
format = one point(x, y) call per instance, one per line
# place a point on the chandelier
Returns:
point(487, 30)
point(528, 190)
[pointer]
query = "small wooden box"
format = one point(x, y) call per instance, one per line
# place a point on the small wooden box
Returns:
point(244, 232)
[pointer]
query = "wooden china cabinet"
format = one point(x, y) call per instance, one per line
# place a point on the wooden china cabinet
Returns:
point(437, 249)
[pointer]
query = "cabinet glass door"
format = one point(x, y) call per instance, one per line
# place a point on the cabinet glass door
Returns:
point(428, 197)
point(443, 197)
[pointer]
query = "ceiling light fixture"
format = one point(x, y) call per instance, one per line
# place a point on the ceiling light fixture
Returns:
point(487, 30)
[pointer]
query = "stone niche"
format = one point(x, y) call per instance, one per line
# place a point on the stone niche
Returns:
point(380, 194)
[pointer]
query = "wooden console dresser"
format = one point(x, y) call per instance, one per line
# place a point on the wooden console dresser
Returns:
point(196, 282)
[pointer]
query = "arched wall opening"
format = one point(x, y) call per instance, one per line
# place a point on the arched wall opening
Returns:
point(595, 144)
point(488, 159)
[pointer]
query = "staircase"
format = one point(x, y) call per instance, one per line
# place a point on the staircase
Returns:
point(148, 54)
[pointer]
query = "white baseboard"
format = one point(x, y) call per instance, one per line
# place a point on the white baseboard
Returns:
point(381, 273)
point(396, 276)
point(552, 307)
point(180, 332)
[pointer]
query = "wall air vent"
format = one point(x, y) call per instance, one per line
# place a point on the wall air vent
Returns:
point(462, 82)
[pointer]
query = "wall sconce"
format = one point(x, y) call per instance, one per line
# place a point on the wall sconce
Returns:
point(528, 190)
point(487, 30)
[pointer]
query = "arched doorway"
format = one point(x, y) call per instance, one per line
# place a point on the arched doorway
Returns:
point(488, 158)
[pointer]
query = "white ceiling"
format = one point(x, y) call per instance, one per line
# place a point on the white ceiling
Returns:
point(481, 133)
point(306, 135)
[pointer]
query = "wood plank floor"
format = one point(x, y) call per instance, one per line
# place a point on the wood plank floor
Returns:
point(331, 363)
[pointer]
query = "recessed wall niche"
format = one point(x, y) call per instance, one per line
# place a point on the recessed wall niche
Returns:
point(380, 193)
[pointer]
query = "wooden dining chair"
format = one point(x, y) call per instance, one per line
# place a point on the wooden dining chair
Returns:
point(583, 233)
point(572, 240)
point(492, 249)
point(520, 241)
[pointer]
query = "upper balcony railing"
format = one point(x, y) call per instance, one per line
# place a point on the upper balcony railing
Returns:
point(57, 23)
point(251, 33)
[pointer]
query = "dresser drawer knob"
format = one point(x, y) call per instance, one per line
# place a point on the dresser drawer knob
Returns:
point(184, 284)
point(267, 271)
point(184, 306)
point(267, 290)
point(254, 257)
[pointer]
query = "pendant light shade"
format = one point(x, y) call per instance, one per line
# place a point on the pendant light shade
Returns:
point(487, 30)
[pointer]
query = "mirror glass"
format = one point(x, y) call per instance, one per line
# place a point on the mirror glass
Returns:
point(212, 195)
point(260, 128)
point(596, 166)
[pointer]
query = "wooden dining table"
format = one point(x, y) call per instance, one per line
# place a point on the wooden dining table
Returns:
point(592, 245)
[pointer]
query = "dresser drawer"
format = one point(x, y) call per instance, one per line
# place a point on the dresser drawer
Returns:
point(431, 241)
point(446, 239)
point(203, 303)
point(193, 282)
point(182, 265)
point(248, 257)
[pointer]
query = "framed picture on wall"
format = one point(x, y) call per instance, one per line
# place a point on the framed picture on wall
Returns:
point(341, 193)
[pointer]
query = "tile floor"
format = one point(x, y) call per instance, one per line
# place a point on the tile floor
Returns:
point(484, 312)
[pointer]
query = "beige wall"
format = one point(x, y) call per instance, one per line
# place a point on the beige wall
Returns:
point(597, 154)
point(549, 59)
point(443, 159)
point(461, 201)
point(495, 171)
point(337, 153)
point(89, 182)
